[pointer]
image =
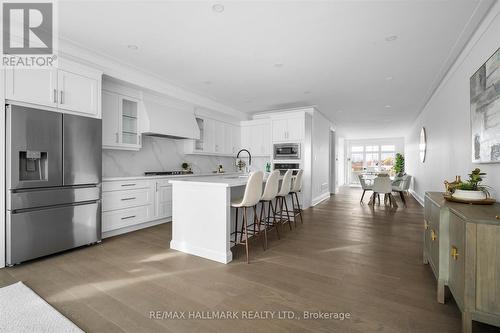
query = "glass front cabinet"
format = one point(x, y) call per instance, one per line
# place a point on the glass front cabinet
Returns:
point(120, 116)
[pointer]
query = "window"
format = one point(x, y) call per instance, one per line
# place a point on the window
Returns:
point(371, 158)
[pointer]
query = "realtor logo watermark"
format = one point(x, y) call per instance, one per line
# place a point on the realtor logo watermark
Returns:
point(29, 34)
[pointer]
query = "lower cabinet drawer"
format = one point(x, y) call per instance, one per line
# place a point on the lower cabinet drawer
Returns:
point(126, 199)
point(126, 217)
point(456, 280)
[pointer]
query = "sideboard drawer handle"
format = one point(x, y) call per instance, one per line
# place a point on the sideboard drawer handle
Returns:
point(125, 199)
point(123, 185)
point(433, 235)
point(454, 252)
point(128, 217)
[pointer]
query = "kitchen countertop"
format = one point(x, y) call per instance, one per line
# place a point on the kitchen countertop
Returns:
point(223, 180)
point(194, 175)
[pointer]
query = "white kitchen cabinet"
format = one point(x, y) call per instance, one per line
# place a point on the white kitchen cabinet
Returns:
point(163, 202)
point(219, 137)
point(288, 129)
point(120, 117)
point(295, 129)
point(256, 137)
point(72, 88)
point(35, 86)
point(216, 138)
point(78, 93)
point(129, 205)
point(279, 129)
point(233, 139)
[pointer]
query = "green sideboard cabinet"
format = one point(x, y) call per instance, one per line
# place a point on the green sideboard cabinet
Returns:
point(462, 247)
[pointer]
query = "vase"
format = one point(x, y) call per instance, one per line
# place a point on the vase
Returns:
point(469, 195)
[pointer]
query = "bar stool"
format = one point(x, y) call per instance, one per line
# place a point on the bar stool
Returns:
point(251, 197)
point(296, 188)
point(281, 198)
point(270, 192)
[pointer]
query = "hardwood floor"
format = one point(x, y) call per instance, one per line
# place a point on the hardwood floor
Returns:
point(346, 257)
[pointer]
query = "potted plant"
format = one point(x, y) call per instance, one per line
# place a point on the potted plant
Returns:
point(399, 165)
point(472, 189)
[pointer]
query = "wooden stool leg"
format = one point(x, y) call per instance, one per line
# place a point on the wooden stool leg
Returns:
point(236, 227)
point(287, 214)
point(293, 210)
point(300, 209)
point(275, 225)
point(259, 220)
point(245, 218)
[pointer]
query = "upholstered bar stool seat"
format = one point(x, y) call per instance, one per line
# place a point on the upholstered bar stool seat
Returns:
point(281, 199)
point(296, 188)
point(251, 197)
point(270, 192)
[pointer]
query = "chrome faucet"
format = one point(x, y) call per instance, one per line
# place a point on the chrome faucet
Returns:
point(249, 158)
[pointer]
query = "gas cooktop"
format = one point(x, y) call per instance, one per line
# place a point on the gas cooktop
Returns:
point(167, 173)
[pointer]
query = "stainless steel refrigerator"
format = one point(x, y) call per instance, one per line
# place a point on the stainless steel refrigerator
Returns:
point(53, 182)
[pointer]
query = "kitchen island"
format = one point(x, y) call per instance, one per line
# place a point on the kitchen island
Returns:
point(202, 219)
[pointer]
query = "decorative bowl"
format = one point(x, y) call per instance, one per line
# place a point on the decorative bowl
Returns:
point(469, 195)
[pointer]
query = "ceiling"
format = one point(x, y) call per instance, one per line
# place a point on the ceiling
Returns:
point(262, 55)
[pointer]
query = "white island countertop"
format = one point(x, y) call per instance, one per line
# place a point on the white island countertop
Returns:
point(232, 180)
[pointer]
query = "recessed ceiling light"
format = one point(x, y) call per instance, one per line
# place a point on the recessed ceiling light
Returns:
point(218, 8)
point(391, 38)
point(207, 82)
point(388, 106)
point(278, 65)
point(133, 47)
point(389, 78)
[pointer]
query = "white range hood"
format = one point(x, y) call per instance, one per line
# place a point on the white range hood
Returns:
point(166, 121)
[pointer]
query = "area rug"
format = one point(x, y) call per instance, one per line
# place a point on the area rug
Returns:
point(22, 310)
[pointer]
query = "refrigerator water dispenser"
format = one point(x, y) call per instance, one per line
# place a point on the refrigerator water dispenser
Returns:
point(33, 165)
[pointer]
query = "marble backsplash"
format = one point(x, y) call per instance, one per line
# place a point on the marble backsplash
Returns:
point(161, 154)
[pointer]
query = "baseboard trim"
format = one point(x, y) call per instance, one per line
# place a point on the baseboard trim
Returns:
point(321, 198)
point(136, 227)
point(221, 257)
point(419, 199)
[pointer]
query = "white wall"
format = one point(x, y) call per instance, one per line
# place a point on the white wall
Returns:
point(446, 118)
point(320, 156)
point(340, 161)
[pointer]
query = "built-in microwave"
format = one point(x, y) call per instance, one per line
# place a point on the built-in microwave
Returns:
point(287, 151)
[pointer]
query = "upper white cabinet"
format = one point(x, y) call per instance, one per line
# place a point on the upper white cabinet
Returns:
point(120, 116)
point(256, 137)
point(288, 129)
point(36, 86)
point(216, 138)
point(78, 93)
point(72, 88)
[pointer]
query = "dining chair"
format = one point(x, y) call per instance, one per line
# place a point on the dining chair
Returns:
point(365, 186)
point(402, 187)
point(382, 185)
point(251, 197)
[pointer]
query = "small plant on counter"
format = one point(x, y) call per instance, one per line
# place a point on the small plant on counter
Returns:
point(474, 183)
point(185, 166)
